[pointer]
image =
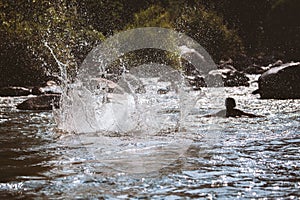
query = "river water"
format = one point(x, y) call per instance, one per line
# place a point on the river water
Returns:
point(243, 158)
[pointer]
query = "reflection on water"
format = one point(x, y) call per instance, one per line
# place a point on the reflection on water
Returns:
point(244, 158)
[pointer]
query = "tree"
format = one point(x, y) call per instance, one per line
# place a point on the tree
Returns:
point(108, 16)
point(205, 27)
point(34, 29)
point(245, 16)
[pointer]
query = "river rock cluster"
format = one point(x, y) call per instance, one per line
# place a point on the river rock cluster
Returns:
point(277, 81)
point(45, 97)
point(51, 87)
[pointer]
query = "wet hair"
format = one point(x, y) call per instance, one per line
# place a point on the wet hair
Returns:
point(230, 103)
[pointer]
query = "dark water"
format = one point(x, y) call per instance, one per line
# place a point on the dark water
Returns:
point(246, 158)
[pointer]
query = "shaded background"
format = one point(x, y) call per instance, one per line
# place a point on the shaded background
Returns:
point(261, 31)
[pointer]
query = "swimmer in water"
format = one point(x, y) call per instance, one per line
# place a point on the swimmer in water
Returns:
point(231, 111)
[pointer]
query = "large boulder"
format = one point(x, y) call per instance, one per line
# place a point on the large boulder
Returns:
point(43, 102)
point(281, 82)
point(14, 91)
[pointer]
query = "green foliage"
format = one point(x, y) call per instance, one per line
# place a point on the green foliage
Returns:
point(108, 16)
point(70, 28)
point(208, 29)
point(36, 25)
point(154, 16)
point(205, 27)
point(245, 16)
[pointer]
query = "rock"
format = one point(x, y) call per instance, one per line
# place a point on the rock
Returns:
point(14, 91)
point(36, 91)
point(231, 78)
point(260, 69)
point(51, 87)
point(280, 82)
point(214, 79)
point(226, 64)
point(196, 82)
point(103, 84)
point(43, 102)
point(230, 67)
point(241, 61)
point(275, 64)
point(264, 60)
point(163, 90)
point(254, 69)
point(235, 79)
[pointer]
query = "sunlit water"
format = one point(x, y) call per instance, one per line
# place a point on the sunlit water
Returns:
point(242, 158)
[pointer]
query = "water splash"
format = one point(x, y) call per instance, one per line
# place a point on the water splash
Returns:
point(133, 104)
point(112, 109)
point(63, 77)
point(127, 100)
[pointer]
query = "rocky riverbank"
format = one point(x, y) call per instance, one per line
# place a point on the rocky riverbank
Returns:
point(278, 80)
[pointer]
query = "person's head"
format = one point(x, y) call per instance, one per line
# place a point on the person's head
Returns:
point(230, 103)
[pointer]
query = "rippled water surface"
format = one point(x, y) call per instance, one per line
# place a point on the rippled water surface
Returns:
point(241, 158)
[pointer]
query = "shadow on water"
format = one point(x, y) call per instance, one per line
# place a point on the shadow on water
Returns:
point(24, 148)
